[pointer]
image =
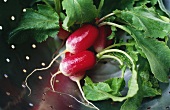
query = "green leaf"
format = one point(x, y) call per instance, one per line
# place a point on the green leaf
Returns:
point(157, 53)
point(134, 102)
point(78, 12)
point(144, 2)
point(163, 8)
point(116, 84)
point(147, 21)
point(95, 93)
point(39, 24)
point(110, 5)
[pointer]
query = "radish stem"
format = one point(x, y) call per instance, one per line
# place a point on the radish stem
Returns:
point(39, 69)
point(113, 57)
point(103, 18)
point(116, 25)
point(82, 93)
point(120, 44)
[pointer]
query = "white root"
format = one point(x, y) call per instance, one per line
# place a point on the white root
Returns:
point(40, 69)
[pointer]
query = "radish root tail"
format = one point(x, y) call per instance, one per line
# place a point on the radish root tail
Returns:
point(52, 80)
point(82, 93)
point(40, 69)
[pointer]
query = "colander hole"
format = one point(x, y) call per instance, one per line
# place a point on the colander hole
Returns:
point(148, 108)
point(34, 46)
point(12, 18)
point(167, 107)
point(24, 70)
point(7, 60)
point(5, 75)
point(57, 81)
point(0, 27)
point(5, 0)
point(13, 46)
point(43, 64)
point(71, 106)
point(8, 93)
point(23, 86)
point(40, 77)
point(169, 92)
point(43, 99)
point(27, 57)
point(30, 104)
point(24, 10)
point(51, 107)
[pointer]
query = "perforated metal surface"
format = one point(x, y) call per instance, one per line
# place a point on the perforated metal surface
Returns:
point(18, 60)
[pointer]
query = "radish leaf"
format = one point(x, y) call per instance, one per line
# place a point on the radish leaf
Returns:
point(94, 93)
point(146, 20)
point(78, 12)
point(157, 53)
point(39, 24)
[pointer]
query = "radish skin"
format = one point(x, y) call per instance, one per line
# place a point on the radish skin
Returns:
point(77, 63)
point(82, 38)
point(102, 41)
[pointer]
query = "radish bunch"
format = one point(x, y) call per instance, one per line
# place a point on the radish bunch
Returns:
point(78, 59)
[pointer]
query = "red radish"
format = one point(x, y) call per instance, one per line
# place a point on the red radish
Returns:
point(76, 76)
point(101, 42)
point(62, 34)
point(74, 66)
point(82, 38)
point(77, 63)
point(78, 41)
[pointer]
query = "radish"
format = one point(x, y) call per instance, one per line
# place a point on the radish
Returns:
point(77, 63)
point(74, 66)
point(102, 42)
point(78, 41)
point(82, 38)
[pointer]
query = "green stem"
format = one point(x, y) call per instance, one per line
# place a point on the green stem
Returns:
point(120, 44)
point(113, 57)
point(100, 6)
point(57, 6)
point(103, 18)
point(99, 55)
point(116, 25)
point(47, 3)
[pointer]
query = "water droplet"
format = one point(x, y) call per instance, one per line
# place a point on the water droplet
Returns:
point(39, 77)
point(8, 93)
point(13, 46)
point(8, 60)
point(43, 64)
point(24, 70)
point(5, 0)
point(57, 81)
point(0, 27)
point(12, 18)
point(5, 75)
point(27, 57)
point(34, 46)
point(30, 104)
point(24, 10)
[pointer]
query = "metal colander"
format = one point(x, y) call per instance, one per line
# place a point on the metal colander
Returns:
point(18, 60)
